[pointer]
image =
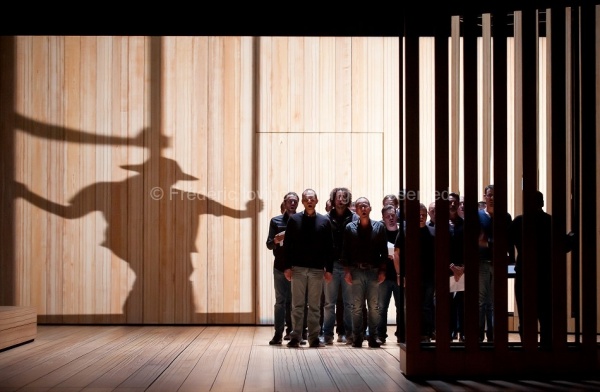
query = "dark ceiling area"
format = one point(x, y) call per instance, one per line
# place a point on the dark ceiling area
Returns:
point(254, 19)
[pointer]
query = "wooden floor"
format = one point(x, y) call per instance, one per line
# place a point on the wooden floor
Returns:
point(216, 358)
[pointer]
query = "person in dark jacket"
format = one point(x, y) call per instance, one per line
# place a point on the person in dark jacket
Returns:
point(308, 250)
point(364, 256)
point(283, 288)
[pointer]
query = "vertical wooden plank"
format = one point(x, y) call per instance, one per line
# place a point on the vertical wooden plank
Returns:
point(265, 83)
point(119, 212)
point(327, 79)
point(216, 176)
point(500, 172)
point(72, 118)
point(455, 104)
point(312, 104)
point(375, 84)
point(427, 118)
point(296, 81)
point(360, 66)
point(39, 175)
point(150, 279)
point(391, 120)
point(56, 180)
point(247, 234)
point(280, 85)
point(231, 191)
point(199, 136)
point(102, 127)
point(486, 101)
point(343, 84)
point(138, 199)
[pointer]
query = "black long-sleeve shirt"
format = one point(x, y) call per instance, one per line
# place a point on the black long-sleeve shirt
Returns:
point(308, 242)
point(365, 245)
point(276, 226)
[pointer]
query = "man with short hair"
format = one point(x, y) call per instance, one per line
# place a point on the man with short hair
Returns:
point(308, 250)
point(364, 255)
point(283, 292)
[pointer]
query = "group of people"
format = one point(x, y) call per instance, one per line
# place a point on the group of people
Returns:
point(343, 267)
point(324, 255)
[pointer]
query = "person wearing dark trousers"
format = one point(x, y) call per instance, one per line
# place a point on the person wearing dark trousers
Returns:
point(486, 267)
point(543, 262)
point(389, 287)
point(308, 250)
point(283, 288)
point(340, 216)
point(457, 298)
point(365, 255)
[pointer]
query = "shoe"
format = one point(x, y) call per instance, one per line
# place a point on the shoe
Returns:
point(276, 340)
point(382, 341)
point(328, 340)
point(341, 339)
point(453, 335)
point(461, 338)
point(316, 344)
point(349, 340)
point(425, 339)
point(432, 335)
point(287, 336)
point(293, 343)
point(303, 342)
point(357, 343)
point(374, 343)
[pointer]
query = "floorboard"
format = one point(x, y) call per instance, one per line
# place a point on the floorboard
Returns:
point(217, 358)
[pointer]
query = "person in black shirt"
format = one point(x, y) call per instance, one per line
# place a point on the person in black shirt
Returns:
point(308, 251)
point(364, 257)
point(283, 291)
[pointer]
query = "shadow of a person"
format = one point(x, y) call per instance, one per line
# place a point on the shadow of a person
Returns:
point(179, 219)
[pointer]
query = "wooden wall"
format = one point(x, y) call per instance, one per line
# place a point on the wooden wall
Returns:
point(96, 127)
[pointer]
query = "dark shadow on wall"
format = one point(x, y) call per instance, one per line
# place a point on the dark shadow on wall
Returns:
point(143, 213)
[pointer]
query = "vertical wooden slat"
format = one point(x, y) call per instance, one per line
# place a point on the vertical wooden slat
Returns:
point(311, 97)
point(199, 163)
point(485, 99)
point(455, 104)
point(590, 35)
point(360, 84)
point(529, 120)
point(556, 81)
point(296, 82)
point(442, 183)
point(327, 80)
point(413, 295)
point(343, 84)
point(499, 142)
point(472, 192)
point(137, 198)
point(391, 102)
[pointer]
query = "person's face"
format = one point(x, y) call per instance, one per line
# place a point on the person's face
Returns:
point(309, 201)
point(390, 218)
point(489, 198)
point(422, 217)
point(461, 209)
point(453, 204)
point(291, 203)
point(363, 208)
point(390, 202)
point(340, 200)
point(432, 212)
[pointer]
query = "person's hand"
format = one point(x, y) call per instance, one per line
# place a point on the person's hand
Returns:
point(380, 277)
point(348, 277)
point(328, 276)
point(279, 237)
point(457, 271)
point(260, 204)
point(288, 274)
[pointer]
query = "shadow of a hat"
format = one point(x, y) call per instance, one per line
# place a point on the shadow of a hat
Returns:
point(163, 163)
